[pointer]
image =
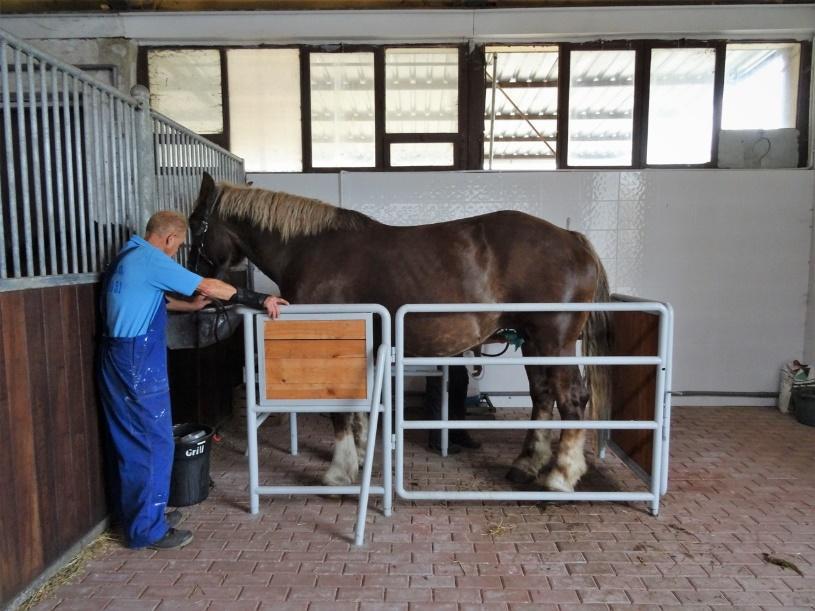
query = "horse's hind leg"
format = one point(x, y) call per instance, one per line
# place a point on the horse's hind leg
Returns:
point(344, 467)
point(537, 448)
point(572, 397)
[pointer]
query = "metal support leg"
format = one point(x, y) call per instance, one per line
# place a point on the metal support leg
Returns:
point(365, 484)
point(293, 431)
point(251, 415)
point(445, 408)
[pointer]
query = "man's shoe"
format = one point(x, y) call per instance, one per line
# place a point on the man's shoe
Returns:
point(434, 443)
point(174, 518)
point(172, 540)
point(463, 438)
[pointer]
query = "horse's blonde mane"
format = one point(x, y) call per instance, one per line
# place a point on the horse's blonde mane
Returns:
point(290, 215)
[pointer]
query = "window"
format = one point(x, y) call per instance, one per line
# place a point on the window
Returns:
point(607, 104)
point(761, 86)
point(680, 106)
point(343, 111)
point(521, 132)
point(421, 103)
point(601, 108)
point(264, 108)
point(185, 85)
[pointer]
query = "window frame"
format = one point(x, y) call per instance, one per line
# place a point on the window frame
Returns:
point(468, 142)
point(143, 78)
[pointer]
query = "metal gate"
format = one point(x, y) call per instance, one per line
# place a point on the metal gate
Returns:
point(657, 425)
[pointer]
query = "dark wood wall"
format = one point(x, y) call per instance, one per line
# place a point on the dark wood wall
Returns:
point(51, 479)
point(634, 386)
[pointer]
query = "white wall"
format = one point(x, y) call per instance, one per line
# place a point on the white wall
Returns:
point(728, 249)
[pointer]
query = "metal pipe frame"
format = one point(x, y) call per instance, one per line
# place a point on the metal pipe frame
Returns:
point(380, 400)
point(662, 362)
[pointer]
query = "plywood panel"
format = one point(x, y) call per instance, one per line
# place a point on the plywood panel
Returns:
point(314, 391)
point(338, 378)
point(314, 329)
point(634, 387)
point(316, 348)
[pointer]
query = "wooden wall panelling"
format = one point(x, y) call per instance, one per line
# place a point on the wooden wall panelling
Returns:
point(87, 322)
point(22, 494)
point(634, 386)
point(8, 539)
point(41, 414)
point(51, 475)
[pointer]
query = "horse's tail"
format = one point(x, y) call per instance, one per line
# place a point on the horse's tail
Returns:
point(597, 342)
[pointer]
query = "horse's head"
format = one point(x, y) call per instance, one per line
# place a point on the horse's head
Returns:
point(213, 247)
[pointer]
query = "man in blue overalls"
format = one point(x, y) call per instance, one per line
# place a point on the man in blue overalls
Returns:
point(133, 383)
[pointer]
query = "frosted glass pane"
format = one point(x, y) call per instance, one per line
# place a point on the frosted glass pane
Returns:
point(264, 108)
point(526, 97)
point(185, 85)
point(680, 108)
point(601, 108)
point(342, 110)
point(761, 86)
point(421, 90)
point(422, 154)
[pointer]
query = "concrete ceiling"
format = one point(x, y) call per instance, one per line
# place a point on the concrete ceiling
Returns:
point(47, 6)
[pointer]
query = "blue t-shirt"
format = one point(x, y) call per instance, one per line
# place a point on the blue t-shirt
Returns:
point(137, 285)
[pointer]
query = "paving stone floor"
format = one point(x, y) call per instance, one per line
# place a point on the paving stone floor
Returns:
point(742, 484)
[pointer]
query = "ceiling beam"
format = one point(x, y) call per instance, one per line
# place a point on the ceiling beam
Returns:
point(49, 6)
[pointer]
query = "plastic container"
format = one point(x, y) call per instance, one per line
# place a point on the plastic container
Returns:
point(803, 405)
point(189, 483)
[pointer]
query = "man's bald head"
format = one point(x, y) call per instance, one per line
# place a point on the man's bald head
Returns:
point(165, 223)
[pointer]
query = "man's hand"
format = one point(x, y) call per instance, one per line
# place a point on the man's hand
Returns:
point(199, 302)
point(272, 305)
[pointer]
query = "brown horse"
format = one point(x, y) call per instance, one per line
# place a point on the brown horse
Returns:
point(318, 253)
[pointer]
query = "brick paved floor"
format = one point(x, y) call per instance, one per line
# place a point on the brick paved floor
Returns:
point(742, 484)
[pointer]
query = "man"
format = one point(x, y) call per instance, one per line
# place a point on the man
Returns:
point(457, 410)
point(133, 372)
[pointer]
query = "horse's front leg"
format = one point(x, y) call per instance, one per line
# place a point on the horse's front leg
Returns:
point(344, 467)
point(537, 448)
point(359, 422)
point(572, 397)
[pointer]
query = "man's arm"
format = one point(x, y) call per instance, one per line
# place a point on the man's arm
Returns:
point(212, 287)
point(187, 305)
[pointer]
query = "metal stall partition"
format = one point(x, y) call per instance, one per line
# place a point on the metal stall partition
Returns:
point(82, 168)
point(181, 158)
point(271, 391)
point(68, 189)
point(661, 362)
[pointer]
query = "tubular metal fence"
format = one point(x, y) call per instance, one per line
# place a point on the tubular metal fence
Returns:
point(82, 166)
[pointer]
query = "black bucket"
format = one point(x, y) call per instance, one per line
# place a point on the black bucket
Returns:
point(190, 478)
point(803, 405)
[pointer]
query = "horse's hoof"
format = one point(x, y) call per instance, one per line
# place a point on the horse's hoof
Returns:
point(337, 477)
point(557, 483)
point(519, 476)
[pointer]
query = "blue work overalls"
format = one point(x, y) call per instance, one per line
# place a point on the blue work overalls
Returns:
point(135, 396)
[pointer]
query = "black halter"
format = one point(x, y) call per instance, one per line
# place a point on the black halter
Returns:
point(198, 241)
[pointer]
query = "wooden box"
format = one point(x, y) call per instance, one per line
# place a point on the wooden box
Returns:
point(315, 359)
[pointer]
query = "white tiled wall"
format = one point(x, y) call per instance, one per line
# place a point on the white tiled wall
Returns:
point(729, 249)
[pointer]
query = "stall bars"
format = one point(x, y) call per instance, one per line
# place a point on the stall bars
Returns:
point(661, 362)
point(83, 168)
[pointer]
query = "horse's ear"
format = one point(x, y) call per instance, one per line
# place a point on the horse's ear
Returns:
point(207, 187)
